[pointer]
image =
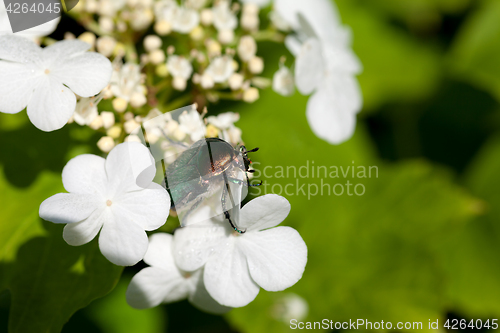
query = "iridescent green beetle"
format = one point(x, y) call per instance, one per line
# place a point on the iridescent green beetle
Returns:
point(202, 168)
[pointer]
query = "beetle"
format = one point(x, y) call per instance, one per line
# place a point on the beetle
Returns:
point(199, 171)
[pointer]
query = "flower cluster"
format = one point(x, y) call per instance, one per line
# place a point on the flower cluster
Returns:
point(137, 62)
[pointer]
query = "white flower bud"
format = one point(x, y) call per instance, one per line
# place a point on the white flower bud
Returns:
point(283, 82)
point(250, 22)
point(195, 4)
point(114, 132)
point(132, 138)
point(106, 24)
point(128, 116)
point(96, 123)
point(88, 38)
point(256, 65)
point(235, 81)
point(106, 143)
point(197, 33)
point(250, 9)
point(119, 104)
point(156, 57)
point(152, 42)
point(206, 17)
point(225, 36)
point(251, 95)
point(106, 45)
point(179, 83)
point(131, 126)
point(91, 6)
point(206, 81)
point(121, 26)
point(196, 78)
point(163, 28)
point(137, 100)
point(69, 36)
point(213, 48)
point(108, 119)
point(247, 48)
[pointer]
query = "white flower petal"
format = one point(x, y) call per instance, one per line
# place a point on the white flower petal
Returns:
point(68, 207)
point(86, 74)
point(19, 49)
point(201, 299)
point(320, 14)
point(122, 241)
point(51, 105)
point(227, 278)
point(85, 174)
point(264, 212)
point(17, 83)
point(129, 167)
point(59, 52)
point(149, 207)
point(293, 44)
point(341, 59)
point(151, 286)
point(309, 66)
point(76, 234)
point(193, 245)
point(329, 118)
point(276, 257)
point(159, 252)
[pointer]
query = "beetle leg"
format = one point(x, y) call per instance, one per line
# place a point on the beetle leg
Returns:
point(227, 191)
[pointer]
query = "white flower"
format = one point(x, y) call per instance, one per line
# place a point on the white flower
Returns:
point(223, 17)
point(290, 306)
point(247, 48)
point(325, 65)
point(236, 265)
point(126, 81)
point(164, 282)
point(46, 80)
point(179, 67)
point(181, 19)
point(106, 45)
point(233, 136)
point(32, 33)
point(220, 69)
point(116, 196)
point(196, 4)
point(85, 112)
point(185, 20)
point(192, 124)
point(283, 82)
point(224, 120)
point(260, 3)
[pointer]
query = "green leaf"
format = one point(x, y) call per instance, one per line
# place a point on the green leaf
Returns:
point(472, 258)
point(372, 256)
point(474, 55)
point(48, 279)
point(113, 314)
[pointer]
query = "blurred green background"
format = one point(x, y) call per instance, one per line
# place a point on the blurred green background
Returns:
point(422, 242)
